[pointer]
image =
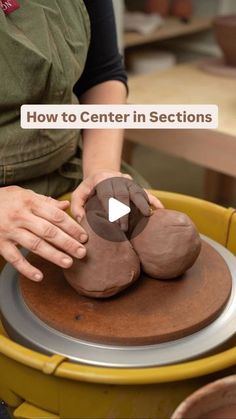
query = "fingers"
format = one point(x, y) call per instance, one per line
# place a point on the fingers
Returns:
point(121, 193)
point(104, 193)
point(62, 220)
point(155, 202)
point(39, 224)
point(139, 198)
point(108, 187)
point(63, 205)
point(12, 255)
point(78, 201)
point(90, 186)
point(54, 235)
point(40, 247)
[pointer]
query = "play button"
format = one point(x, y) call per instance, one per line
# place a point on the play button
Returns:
point(116, 199)
point(117, 210)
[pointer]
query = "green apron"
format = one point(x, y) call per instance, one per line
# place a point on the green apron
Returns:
point(43, 51)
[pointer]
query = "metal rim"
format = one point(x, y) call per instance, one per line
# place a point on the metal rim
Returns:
point(24, 327)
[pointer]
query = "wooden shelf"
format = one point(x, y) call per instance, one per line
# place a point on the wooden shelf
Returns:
point(188, 84)
point(172, 28)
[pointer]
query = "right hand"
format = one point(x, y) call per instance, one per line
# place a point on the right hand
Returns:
point(39, 224)
point(125, 192)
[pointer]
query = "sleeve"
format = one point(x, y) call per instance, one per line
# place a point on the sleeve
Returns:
point(104, 62)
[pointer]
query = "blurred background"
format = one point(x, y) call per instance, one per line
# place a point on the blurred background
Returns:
point(174, 53)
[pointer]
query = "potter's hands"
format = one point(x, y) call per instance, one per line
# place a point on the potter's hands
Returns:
point(39, 224)
point(124, 192)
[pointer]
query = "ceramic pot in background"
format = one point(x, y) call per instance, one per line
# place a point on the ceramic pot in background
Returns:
point(225, 33)
point(182, 9)
point(162, 7)
point(214, 401)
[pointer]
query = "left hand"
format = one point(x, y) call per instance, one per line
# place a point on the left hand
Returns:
point(122, 193)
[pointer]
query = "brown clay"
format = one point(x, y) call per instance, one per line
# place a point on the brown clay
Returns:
point(109, 267)
point(182, 9)
point(225, 33)
point(161, 7)
point(150, 312)
point(168, 246)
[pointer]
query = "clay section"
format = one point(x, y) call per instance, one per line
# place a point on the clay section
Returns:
point(168, 245)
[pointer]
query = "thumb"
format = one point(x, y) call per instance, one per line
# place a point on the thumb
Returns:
point(78, 201)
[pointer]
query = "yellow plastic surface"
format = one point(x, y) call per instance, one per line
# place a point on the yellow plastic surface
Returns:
point(27, 411)
point(60, 388)
point(232, 235)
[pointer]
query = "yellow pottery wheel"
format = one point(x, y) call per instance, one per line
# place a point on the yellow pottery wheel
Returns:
point(36, 385)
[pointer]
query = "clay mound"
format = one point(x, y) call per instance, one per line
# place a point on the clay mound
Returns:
point(168, 246)
point(109, 267)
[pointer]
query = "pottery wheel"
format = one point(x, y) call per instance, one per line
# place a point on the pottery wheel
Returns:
point(152, 323)
point(150, 312)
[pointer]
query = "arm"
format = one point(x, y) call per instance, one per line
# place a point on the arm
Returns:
point(103, 81)
point(102, 149)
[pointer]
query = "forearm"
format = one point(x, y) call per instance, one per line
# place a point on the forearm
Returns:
point(102, 149)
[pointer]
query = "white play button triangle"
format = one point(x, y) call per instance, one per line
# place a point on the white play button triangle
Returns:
point(117, 210)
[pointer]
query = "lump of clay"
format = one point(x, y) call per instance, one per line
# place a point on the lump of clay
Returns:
point(168, 245)
point(109, 266)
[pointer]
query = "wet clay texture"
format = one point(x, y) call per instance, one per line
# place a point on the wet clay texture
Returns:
point(149, 312)
point(109, 266)
point(168, 246)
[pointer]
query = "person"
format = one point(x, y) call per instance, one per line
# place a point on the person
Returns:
point(57, 52)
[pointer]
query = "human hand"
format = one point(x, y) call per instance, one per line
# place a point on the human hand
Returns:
point(122, 191)
point(39, 224)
